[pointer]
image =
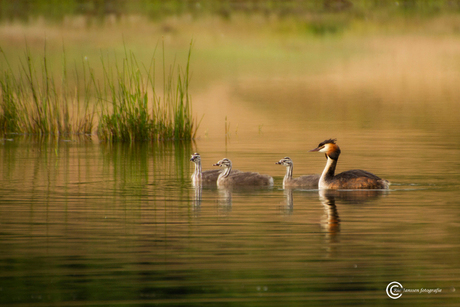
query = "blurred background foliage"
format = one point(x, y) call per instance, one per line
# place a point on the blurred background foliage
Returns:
point(56, 10)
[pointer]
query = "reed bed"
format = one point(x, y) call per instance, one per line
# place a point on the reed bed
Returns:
point(125, 103)
point(33, 101)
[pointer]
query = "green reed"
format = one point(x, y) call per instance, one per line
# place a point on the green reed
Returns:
point(137, 111)
point(125, 100)
point(33, 101)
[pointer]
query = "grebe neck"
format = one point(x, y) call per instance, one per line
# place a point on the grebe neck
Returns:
point(328, 173)
point(288, 176)
point(226, 172)
point(197, 174)
point(198, 171)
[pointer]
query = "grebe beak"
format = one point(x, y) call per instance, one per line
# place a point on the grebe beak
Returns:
point(316, 149)
point(217, 164)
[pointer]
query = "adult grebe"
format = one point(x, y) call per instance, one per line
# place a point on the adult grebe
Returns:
point(353, 179)
point(206, 177)
point(228, 178)
point(310, 181)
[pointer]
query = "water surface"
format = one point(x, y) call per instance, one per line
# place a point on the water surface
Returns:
point(87, 223)
point(83, 222)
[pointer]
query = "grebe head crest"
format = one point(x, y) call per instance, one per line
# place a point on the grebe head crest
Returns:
point(226, 163)
point(195, 157)
point(286, 161)
point(329, 147)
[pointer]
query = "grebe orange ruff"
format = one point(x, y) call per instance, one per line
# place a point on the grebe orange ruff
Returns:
point(353, 179)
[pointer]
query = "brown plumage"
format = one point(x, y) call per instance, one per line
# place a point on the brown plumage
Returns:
point(310, 181)
point(228, 178)
point(353, 179)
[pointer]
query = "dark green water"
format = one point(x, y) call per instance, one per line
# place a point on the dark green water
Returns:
point(87, 223)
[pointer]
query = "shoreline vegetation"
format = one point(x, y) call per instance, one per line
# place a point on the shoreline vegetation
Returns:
point(25, 10)
point(125, 103)
point(309, 18)
point(400, 51)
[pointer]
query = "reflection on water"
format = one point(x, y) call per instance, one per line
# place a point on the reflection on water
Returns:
point(85, 223)
point(289, 204)
point(330, 221)
point(82, 222)
point(198, 189)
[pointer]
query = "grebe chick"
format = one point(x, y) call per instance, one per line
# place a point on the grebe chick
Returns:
point(353, 179)
point(206, 177)
point(229, 178)
point(310, 181)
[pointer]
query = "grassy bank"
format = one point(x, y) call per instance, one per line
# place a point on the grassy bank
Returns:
point(253, 61)
point(125, 104)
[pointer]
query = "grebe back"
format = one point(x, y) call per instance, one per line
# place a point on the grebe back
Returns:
point(310, 181)
point(229, 178)
point(353, 179)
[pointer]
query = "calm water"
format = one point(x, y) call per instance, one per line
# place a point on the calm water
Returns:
point(83, 222)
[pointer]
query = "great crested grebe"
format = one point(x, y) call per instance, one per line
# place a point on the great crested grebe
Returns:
point(353, 179)
point(310, 181)
point(206, 177)
point(229, 178)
